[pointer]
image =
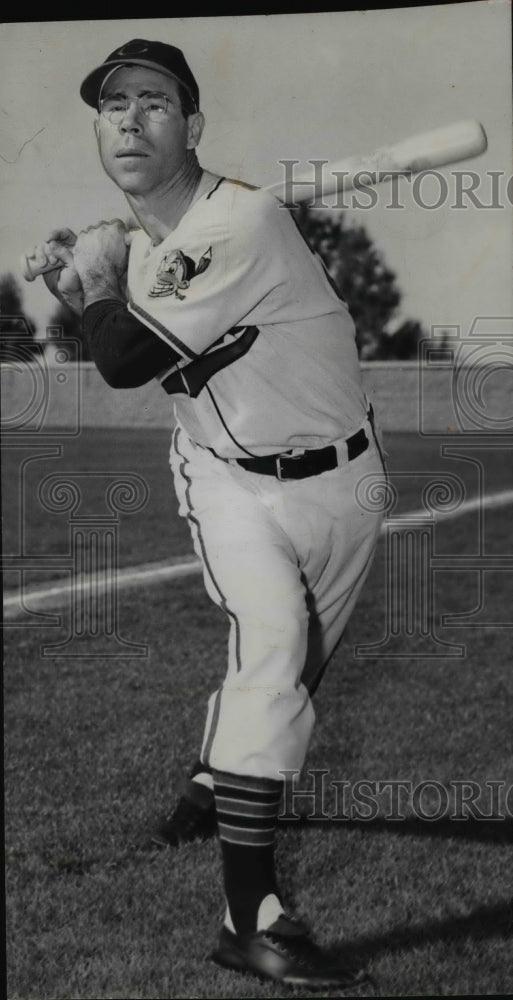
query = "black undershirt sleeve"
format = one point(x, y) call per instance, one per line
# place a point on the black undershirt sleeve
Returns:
point(125, 351)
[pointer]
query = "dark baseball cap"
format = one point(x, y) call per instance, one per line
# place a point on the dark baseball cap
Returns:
point(139, 52)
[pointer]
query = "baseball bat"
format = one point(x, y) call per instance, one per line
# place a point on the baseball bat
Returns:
point(425, 151)
point(31, 269)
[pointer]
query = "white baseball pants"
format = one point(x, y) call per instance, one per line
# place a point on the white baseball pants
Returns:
point(286, 562)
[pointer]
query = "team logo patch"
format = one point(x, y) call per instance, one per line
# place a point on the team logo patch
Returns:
point(176, 271)
point(135, 48)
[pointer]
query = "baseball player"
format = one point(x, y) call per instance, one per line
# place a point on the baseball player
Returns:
point(221, 301)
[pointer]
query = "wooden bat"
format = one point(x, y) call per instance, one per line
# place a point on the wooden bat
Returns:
point(32, 266)
point(425, 151)
point(437, 148)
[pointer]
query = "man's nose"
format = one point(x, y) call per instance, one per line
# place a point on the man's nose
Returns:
point(132, 118)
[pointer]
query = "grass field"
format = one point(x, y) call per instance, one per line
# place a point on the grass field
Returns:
point(95, 748)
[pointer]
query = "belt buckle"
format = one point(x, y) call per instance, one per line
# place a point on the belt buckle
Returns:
point(288, 458)
point(279, 474)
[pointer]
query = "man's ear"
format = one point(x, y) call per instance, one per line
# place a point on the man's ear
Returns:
point(96, 126)
point(195, 126)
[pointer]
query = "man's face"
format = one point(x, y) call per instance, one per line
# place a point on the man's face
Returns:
point(140, 155)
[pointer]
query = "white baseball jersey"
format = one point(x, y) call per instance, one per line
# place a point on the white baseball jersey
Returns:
point(268, 348)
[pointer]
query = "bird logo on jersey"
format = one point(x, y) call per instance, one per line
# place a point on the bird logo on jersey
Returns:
point(176, 271)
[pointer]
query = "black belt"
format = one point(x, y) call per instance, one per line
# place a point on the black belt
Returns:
point(311, 463)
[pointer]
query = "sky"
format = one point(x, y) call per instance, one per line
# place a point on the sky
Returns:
point(299, 86)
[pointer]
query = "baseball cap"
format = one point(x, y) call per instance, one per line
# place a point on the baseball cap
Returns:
point(139, 52)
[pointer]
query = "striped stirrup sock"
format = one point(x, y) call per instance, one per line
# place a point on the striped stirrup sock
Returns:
point(247, 815)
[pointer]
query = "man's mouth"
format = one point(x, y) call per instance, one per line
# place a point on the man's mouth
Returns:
point(129, 152)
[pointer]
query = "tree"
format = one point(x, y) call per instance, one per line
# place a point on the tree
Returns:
point(66, 326)
point(403, 343)
point(17, 331)
point(362, 279)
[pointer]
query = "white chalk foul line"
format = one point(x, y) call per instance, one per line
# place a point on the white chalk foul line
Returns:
point(59, 592)
point(500, 499)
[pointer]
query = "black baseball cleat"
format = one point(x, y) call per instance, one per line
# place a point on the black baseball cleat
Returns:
point(285, 953)
point(194, 818)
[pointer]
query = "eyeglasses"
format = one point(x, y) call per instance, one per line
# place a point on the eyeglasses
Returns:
point(154, 106)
